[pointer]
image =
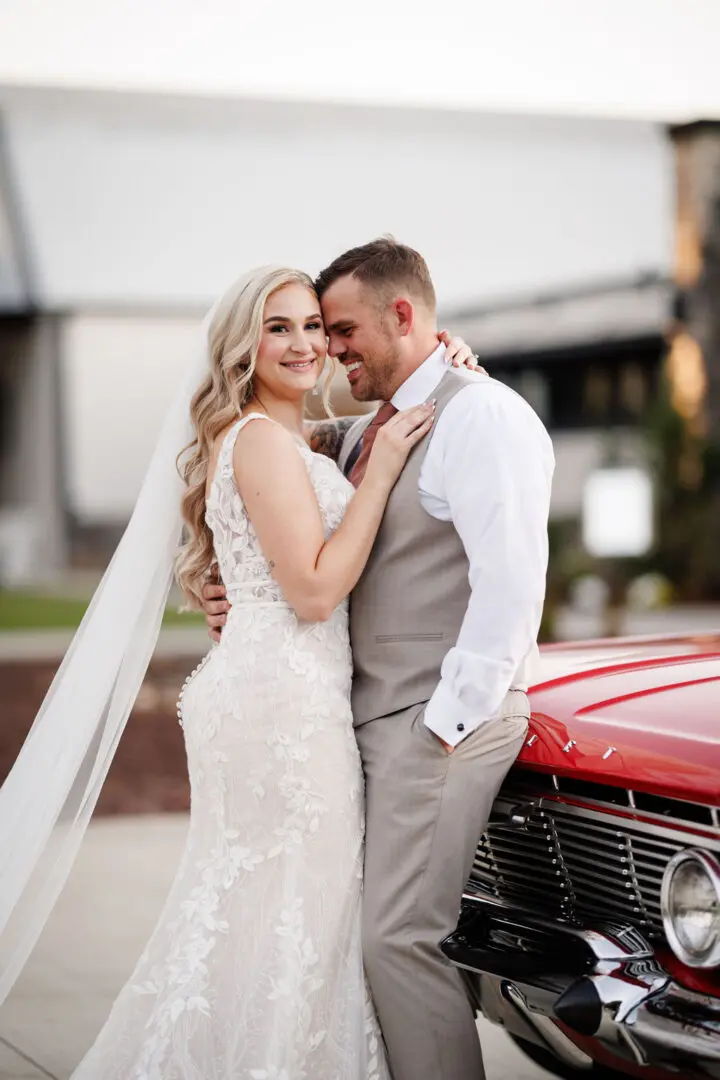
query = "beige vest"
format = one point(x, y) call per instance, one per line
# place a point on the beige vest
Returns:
point(407, 608)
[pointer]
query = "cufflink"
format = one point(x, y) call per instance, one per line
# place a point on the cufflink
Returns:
point(461, 727)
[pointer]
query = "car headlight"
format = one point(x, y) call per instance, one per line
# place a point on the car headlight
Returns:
point(691, 907)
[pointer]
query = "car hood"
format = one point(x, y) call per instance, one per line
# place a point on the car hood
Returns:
point(643, 713)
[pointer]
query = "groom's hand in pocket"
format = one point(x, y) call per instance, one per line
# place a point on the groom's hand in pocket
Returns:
point(216, 607)
point(445, 745)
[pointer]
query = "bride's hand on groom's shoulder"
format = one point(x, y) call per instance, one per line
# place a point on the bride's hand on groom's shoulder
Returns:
point(459, 354)
point(216, 607)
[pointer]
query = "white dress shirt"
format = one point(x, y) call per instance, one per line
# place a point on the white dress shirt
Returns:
point(488, 469)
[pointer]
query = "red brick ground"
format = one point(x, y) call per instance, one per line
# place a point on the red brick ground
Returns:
point(149, 773)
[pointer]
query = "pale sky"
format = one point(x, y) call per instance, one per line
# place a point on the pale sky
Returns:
point(652, 59)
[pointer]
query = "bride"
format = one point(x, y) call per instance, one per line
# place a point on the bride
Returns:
point(254, 969)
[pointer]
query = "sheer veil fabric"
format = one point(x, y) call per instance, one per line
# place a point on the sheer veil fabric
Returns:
point(49, 796)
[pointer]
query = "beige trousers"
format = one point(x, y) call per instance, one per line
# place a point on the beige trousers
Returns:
point(425, 812)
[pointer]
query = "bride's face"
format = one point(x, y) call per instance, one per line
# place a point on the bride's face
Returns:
point(292, 346)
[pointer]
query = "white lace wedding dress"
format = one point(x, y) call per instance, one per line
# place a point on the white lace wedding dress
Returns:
point(254, 970)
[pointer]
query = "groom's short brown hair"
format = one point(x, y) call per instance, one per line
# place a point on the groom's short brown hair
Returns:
point(383, 264)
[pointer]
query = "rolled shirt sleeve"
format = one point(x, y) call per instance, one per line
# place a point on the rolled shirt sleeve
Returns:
point(489, 470)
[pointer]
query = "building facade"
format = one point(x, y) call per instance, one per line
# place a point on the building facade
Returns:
point(123, 216)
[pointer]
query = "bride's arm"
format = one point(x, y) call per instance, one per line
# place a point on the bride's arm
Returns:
point(327, 436)
point(315, 574)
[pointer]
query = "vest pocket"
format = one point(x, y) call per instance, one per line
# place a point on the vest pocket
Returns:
point(386, 639)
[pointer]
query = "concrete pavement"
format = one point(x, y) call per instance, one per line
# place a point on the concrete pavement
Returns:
point(191, 640)
point(93, 941)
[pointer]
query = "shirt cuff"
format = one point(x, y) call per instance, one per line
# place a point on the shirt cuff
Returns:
point(448, 718)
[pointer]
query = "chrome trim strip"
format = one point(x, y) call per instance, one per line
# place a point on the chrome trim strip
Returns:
point(528, 793)
point(623, 823)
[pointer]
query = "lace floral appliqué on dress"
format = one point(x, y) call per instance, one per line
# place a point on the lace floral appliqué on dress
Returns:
point(254, 971)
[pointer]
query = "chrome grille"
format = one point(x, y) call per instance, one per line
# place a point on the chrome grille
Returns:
point(577, 862)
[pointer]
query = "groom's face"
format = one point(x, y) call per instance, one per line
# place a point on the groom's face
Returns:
point(361, 338)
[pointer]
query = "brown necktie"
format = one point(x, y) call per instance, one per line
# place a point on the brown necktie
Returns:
point(384, 413)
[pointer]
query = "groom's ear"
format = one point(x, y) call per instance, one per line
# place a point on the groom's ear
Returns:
point(404, 316)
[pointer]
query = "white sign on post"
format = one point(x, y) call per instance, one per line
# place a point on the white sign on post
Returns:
point(617, 512)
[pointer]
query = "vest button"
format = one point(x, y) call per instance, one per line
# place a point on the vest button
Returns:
point(461, 727)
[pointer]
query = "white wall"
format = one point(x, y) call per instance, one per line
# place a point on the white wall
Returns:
point(134, 202)
point(140, 212)
point(118, 377)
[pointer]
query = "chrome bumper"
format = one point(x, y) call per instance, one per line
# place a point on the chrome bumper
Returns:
point(545, 981)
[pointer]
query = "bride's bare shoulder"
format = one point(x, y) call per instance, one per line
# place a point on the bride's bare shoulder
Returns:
point(257, 441)
point(250, 427)
point(264, 447)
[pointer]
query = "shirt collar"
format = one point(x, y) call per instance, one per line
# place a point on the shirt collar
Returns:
point(418, 387)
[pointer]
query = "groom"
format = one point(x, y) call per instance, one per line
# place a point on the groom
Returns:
point(443, 625)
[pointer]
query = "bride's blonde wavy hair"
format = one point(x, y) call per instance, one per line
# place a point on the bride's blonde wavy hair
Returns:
point(233, 341)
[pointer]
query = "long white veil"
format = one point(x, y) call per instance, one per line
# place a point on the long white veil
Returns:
point(49, 796)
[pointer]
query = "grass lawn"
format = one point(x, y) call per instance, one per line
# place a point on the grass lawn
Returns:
point(35, 611)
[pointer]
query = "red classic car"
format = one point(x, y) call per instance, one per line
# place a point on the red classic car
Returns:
point(591, 923)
